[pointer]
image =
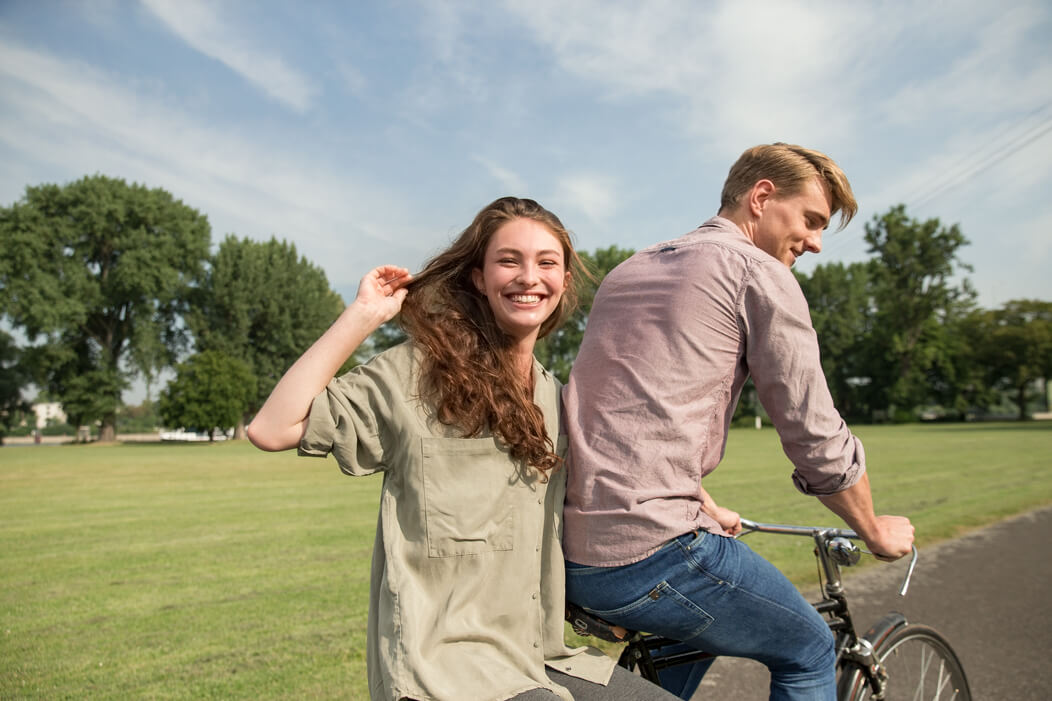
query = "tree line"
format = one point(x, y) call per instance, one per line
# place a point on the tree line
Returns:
point(108, 281)
point(901, 331)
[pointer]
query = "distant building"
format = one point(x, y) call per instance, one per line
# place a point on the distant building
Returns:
point(48, 410)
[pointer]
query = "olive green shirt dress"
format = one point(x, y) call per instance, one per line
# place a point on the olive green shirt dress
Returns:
point(467, 585)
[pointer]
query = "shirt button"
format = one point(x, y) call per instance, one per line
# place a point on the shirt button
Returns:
point(534, 597)
point(536, 644)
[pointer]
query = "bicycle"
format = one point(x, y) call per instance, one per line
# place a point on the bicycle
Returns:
point(894, 659)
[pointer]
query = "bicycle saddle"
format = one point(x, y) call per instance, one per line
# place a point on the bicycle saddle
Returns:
point(584, 623)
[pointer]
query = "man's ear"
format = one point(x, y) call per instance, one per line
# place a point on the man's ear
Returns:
point(762, 191)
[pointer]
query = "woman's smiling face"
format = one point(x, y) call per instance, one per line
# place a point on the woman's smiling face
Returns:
point(523, 276)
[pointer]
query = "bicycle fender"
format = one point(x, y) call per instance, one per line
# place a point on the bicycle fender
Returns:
point(887, 625)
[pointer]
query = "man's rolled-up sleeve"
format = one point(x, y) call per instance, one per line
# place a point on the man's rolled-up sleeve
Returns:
point(783, 359)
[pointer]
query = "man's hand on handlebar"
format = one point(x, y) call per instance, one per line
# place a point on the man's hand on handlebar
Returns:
point(887, 537)
point(892, 539)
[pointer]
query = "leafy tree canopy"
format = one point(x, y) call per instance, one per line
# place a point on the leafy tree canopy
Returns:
point(210, 391)
point(264, 304)
point(97, 272)
point(917, 299)
point(1013, 346)
point(839, 298)
point(13, 378)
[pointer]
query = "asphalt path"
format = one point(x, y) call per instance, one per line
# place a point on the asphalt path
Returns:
point(986, 592)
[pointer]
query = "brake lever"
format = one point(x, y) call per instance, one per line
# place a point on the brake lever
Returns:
point(909, 571)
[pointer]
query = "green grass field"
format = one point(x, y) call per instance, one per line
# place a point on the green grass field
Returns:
point(197, 571)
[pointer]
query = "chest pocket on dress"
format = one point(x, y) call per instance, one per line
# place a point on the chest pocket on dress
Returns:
point(470, 490)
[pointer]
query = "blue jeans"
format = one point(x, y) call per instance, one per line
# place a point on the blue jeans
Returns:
point(715, 594)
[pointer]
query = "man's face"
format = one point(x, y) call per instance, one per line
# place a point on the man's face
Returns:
point(791, 225)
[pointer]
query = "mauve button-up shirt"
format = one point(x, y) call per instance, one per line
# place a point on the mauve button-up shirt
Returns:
point(672, 336)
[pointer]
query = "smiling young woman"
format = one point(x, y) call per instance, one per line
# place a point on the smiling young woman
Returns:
point(467, 591)
point(523, 276)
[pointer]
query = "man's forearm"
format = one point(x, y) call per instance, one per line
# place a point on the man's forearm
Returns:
point(888, 537)
point(855, 506)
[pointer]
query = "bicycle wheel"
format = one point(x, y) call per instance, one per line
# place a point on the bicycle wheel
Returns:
point(921, 665)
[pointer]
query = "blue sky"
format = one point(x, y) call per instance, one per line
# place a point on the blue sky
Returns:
point(369, 132)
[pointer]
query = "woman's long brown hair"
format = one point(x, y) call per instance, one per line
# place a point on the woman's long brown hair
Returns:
point(468, 369)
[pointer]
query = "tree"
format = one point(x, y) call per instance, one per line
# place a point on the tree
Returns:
point(210, 391)
point(13, 377)
point(389, 335)
point(916, 303)
point(264, 304)
point(558, 350)
point(838, 296)
point(93, 271)
point(1014, 346)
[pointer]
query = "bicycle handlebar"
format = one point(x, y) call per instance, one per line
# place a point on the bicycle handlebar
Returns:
point(827, 534)
point(752, 526)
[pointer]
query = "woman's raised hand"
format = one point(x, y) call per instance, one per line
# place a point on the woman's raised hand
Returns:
point(280, 423)
point(383, 290)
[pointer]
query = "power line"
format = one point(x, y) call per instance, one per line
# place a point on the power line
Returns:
point(989, 151)
point(994, 151)
point(1020, 142)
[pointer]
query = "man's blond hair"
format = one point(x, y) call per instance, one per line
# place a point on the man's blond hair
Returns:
point(789, 167)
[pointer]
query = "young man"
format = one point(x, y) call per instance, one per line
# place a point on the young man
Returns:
point(672, 336)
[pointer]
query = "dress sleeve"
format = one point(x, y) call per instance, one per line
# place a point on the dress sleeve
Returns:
point(783, 358)
point(351, 417)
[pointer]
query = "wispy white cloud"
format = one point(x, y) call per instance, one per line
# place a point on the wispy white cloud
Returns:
point(998, 72)
point(453, 72)
point(80, 120)
point(511, 181)
point(729, 74)
point(730, 71)
point(198, 24)
point(353, 79)
point(733, 73)
point(593, 195)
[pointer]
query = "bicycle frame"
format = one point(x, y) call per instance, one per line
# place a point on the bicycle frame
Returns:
point(834, 549)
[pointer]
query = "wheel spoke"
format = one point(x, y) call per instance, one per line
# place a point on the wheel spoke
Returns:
point(925, 661)
point(921, 666)
point(945, 680)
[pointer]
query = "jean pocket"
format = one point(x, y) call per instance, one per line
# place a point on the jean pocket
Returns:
point(664, 611)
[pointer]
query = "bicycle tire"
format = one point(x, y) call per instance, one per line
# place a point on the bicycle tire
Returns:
point(920, 664)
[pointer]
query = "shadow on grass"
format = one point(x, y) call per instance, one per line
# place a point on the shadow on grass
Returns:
point(999, 426)
point(176, 444)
